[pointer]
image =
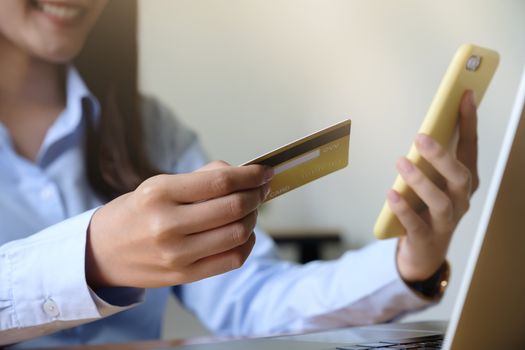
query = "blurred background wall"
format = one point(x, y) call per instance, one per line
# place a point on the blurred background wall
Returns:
point(251, 75)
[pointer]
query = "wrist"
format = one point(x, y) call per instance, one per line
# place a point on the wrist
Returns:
point(434, 286)
point(413, 265)
point(93, 269)
point(413, 272)
point(428, 278)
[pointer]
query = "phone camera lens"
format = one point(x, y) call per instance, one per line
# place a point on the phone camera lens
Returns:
point(473, 63)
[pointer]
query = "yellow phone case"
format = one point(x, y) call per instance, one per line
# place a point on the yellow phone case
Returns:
point(471, 68)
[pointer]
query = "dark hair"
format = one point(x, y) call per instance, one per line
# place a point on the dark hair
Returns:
point(116, 158)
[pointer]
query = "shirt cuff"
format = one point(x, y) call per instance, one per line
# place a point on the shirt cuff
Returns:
point(42, 279)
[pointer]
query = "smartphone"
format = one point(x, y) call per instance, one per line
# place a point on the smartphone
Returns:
point(471, 68)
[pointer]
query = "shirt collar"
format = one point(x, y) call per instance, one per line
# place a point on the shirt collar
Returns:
point(4, 137)
point(77, 94)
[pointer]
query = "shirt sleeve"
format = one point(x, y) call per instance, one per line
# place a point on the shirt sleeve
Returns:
point(43, 287)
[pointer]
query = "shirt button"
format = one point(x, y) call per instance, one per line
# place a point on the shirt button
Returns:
point(51, 308)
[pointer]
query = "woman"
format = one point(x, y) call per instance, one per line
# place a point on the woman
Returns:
point(93, 240)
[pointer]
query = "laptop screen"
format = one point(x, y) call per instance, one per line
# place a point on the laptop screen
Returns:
point(490, 310)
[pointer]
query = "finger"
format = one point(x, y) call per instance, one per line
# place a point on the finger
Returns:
point(456, 175)
point(203, 185)
point(217, 212)
point(222, 262)
point(414, 225)
point(438, 203)
point(216, 164)
point(203, 244)
point(467, 151)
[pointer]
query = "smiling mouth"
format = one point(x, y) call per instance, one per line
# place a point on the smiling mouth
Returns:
point(59, 11)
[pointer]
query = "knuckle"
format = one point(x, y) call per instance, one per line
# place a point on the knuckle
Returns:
point(240, 254)
point(252, 219)
point(214, 165)
point(174, 257)
point(237, 259)
point(168, 258)
point(151, 190)
point(240, 233)
point(222, 182)
point(237, 205)
point(417, 179)
point(436, 152)
point(157, 227)
point(400, 208)
point(461, 207)
point(405, 214)
point(444, 207)
point(257, 172)
point(220, 163)
point(465, 178)
point(404, 209)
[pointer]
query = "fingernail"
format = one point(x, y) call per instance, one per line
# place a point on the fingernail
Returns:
point(268, 174)
point(266, 190)
point(393, 196)
point(424, 141)
point(405, 165)
point(472, 98)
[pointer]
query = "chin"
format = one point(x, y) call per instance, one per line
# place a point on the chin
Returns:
point(59, 54)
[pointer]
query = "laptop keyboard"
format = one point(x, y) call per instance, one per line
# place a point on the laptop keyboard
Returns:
point(428, 342)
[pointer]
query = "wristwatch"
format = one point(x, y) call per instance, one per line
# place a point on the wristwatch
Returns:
point(434, 286)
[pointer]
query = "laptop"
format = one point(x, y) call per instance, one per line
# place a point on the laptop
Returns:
point(490, 309)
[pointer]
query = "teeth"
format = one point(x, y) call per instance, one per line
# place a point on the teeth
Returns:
point(60, 11)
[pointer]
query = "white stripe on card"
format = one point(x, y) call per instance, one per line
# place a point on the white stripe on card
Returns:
point(297, 161)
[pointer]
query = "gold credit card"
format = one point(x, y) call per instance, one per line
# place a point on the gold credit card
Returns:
point(307, 159)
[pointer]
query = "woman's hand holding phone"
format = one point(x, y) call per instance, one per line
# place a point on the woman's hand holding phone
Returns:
point(424, 247)
point(176, 229)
